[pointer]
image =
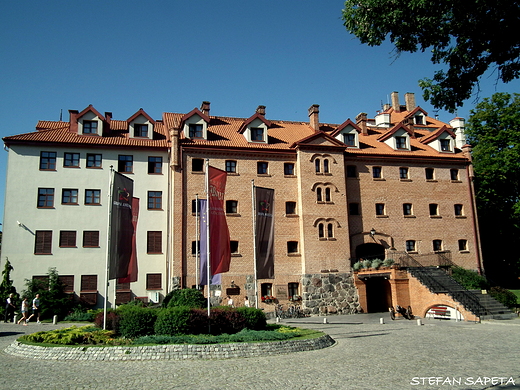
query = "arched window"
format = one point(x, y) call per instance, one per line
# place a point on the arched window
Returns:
point(330, 231)
point(325, 166)
point(317, 164)
point(321, 233)
point(319, 197)
point(327, 195)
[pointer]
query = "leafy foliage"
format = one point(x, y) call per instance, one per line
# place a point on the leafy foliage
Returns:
point(504, 296)
point(493, 130)
point(136, 321)
point(112, 320)
point(80, 315)
point(6, 287)
point(173, 321)
point(254, 318)
point(468, 279)
point(467, 36)
point(72, 336)
point(187, 297)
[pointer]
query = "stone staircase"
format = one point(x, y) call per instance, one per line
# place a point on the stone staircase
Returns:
point(439, 282)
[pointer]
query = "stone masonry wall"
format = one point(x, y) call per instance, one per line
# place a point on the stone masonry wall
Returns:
point(329, 294)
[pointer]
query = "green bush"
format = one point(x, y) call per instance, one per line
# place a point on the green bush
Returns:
point(504, 296)
point(80, 315)
point(226, 320)
point(187, 297)
point(254, 318)
point(173, 321)
point(470, 280)
point(71, 336)
point(137, 321)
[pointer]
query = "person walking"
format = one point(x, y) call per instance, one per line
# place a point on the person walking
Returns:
point(35, 310)
point(246, 301)
point(25, 310)
point(9, 308)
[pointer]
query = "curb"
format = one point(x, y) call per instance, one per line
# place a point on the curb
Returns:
point(169, 352)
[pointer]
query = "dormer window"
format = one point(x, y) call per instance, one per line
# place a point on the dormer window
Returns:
point(257, 134)
point(400, 143)
point(140, 130)
point(445, 145)
point(195, 130)
point(90, 127)
point(419, 120)
point(349, 139)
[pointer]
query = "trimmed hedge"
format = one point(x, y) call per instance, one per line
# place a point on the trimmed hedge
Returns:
point(255, 318)
point(137, 321)
point(186, 297)
point(172, 321)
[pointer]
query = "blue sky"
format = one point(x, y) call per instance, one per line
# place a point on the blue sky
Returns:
point(171, 55)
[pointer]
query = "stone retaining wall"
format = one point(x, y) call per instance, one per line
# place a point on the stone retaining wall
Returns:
point(169, 352)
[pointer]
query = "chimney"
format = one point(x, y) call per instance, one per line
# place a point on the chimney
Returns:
point(260, 110)
point(395, 101)
point(204, 108)
point(73, 119)
point(314, 120)
point(409, 99)
point(108, 116)
point(361, 121)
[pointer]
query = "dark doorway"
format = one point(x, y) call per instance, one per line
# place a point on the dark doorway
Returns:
point(370, 251)
point(379, 295)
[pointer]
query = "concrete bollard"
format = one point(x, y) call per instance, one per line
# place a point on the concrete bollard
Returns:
point(277, 320)
point(325, 321)
point(419, 322)
point(382, 321)
point(55, 320)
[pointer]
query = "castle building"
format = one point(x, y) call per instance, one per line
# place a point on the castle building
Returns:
point(396, 186)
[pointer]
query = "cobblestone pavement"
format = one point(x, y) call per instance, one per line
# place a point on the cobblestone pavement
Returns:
point(368, 355)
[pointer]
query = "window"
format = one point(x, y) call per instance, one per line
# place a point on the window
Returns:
point(93, 197)
point(67, 239)
point(454, 174)
point(262, 168)
point(418, 120)
point(195, 247)
point(197, 165)
point(321, 232)
point(257, 134)
point(407, 209)
point(43, 242)
point(434, 209)
point(349, 139)
point(292, 247)
point(437, 245)
point(330, 231)
point(90, 239)
point(90, 127)
point(326, 166)
point(195, 130)
point(400, 143)
point(45, 197)
point(154, 165)
point(463, 245)
point(69, 196)
point(290, 208)
point(68, 282)
point(266, 289)
point(94, 160)
point(430, 173)
point(88, 283)
point(140, 130)
point(445, 145)
point(292, 289)
point(351, 171)
point(353, 208)
point(71, 160)
point(327, 195)
point(319, 196)
point(459, 211)
point(154, 200)
point(317, 165)
point(233, 247)
point(288, 169)
point(377, 172)
point(48, 161)
point(410, 246)
point(125, 164)
point(154, 281)
point(231, 206)
point(380, 209)
point(154, 242)
point(231, 166)
point(403, 173)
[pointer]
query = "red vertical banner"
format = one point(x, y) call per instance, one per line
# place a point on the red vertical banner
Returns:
point(132, 266)
point(220, 252)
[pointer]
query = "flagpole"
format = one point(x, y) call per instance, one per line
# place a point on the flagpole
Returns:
point(208, 245)
point(107, 265)
point(253, 200)
point(197, 241)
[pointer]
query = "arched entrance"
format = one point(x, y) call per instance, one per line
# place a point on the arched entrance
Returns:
point(370, 251)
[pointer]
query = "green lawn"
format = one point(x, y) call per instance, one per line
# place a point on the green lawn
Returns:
point(517, 293)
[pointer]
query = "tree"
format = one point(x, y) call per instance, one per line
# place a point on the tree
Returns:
point(6, 287)
point(493, 130)
point(468, 36)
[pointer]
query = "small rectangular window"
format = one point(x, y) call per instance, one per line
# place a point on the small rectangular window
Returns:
point(437, 245)
point(459, 211)
point(71, 160)
point(197, 165)
point(349, 139)
point(195, 247)
point(93, 197)
point(288, 169)
point(380, 209)
point(45, 197)
point(155, 165)
point(233, 246)
point(292, 246)
point(43, 242)
point(463, 245)
point(231, 166)
point(195, 130)
point(377, 172)
point(94, 160)
point(445, 145)
point(90, 239)
point(154, 200)
point(257, 134)
point(154, 242)
point(90, 127)
point(69, 196)
point(403, 173)
point(231, 206)
point(262, 168)
point(154, 281)
point(407, 209)
point(67, 239)
point(400, 143)
point(430, 173)
point(454, 174)
point(290, 208)
point(410, 246)
point(88, 283)
point(48, 161)
point(125, 164)
point(293, 290)
point(434, 209)
point(266, 290)
point(67, 282)
point(140, 130)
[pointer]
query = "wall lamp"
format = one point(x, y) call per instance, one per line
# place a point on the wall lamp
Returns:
point(372, 232)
